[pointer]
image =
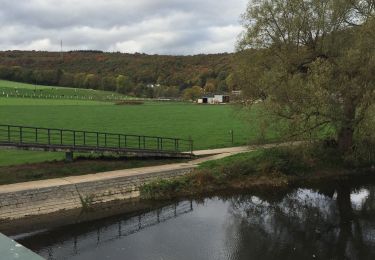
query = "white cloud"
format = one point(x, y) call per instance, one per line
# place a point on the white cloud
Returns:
point(127, 47)
point(150, 26)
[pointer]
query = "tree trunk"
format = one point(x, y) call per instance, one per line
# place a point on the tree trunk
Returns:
point(345, 136)
point(345, 140)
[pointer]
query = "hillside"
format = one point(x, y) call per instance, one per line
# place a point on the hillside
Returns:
point(11, 89)
point(130, 74)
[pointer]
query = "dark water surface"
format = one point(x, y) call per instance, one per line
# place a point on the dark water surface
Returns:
point(335, 222)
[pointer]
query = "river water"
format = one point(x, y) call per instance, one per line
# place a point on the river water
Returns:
point(334, 222)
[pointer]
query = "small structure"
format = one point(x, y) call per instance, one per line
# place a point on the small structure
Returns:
point(221, 99)
point(214, 99)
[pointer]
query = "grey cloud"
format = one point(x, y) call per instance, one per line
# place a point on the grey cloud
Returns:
point(150, 26)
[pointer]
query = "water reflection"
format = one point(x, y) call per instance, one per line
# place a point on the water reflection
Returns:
point(60, 245)
point(326, 223)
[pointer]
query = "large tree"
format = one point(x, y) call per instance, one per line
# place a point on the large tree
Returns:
point(312, 62)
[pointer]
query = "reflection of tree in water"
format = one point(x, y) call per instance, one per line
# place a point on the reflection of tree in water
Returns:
point(324, 224)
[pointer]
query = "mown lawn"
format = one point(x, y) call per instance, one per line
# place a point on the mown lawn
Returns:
point(209, 126)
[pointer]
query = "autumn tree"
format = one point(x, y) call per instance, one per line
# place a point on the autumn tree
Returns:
point(312, 62)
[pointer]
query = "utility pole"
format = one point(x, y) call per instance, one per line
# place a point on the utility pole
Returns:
point(61, 51)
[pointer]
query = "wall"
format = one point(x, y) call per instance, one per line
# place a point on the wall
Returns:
point(63, 194)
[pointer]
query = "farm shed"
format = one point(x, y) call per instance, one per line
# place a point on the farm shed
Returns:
point(214, 99)
point(221, 99)
point(208, 100)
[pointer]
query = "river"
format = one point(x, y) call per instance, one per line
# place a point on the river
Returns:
point(336, 221)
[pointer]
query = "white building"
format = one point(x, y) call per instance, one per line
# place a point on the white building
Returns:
point(215, 99)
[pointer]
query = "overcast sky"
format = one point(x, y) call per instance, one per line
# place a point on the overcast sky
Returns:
point(149, 26)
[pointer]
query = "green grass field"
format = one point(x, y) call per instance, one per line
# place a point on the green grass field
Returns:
point(15, 89)
point(209, 126)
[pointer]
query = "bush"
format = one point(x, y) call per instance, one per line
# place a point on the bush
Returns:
point(163, 188)
point(130, 102)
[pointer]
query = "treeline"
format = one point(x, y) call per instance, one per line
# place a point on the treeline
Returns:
point(131, 74)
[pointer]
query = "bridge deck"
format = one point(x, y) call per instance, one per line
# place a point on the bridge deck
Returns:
point(64, 140)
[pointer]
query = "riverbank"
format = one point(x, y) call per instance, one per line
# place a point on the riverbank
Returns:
point(265, 170)
point(36, 198)
point(269, 168)
point(80, 166)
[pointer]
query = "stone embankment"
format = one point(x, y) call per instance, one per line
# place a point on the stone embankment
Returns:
point(48, 196)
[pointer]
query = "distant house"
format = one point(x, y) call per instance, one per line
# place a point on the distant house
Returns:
point(214, 99)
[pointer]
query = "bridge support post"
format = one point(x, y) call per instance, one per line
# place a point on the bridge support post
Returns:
point(69, 156)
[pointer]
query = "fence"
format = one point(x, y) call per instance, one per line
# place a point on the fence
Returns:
point(75, 139)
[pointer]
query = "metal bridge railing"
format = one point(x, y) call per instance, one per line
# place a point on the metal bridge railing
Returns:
point(39, 136)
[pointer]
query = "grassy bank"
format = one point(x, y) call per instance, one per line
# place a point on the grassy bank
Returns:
point(267, 169)
point(80, 166)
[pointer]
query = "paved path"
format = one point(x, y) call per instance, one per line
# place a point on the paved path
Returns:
point(213, 154)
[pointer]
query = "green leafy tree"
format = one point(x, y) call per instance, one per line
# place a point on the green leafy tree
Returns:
point(124, 84)
point(312, 62)
point(192, 94)
point(79, 80)
point(91, 81)
point(67, 80)
point(108, 83)
point(231, 82)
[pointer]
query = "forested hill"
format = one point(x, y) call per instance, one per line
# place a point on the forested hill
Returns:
point(125, 73)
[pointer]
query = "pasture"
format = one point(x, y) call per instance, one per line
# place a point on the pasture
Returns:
point(209, 126)
point(12, 89)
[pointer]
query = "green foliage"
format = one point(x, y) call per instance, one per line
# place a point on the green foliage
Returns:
point(86, 201)
point(163, 188)
point(124, 85)
point(273, 166)
point(124, 73)
point(311, 62)
point(192, 94)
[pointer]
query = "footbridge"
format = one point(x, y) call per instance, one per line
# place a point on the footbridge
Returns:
point(70, 141)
